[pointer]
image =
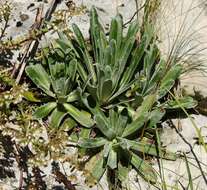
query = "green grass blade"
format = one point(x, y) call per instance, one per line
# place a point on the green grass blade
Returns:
point(189, 173)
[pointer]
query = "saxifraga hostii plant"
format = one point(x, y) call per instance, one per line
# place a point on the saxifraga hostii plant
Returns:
point(58, 83)
point(123, 81)
point(120, 71)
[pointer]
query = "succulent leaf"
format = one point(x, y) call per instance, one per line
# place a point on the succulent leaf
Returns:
point(40, 77)
point(44, 110)
point(144, 168)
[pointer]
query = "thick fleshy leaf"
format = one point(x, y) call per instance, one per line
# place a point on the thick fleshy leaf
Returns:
point(113, 117)
point(184, 102)
point(98, 169)
point(95, 168)
point(79, 36)
point(68, 124)
point(116, 30)
point(137, 55)
point(72, 69)
point(135, 125)
point(124, 53)
point(57, 117)
point(57, 70)
point(169, 80)
point(92, 143)
point(84, 118)
point(146, 105)
point(40, 77)
point(150, 60)
point(58, 86)
point(123, 172)
point(73, 96)
point(120, 91)
point(44, 110)
point(104, 126)
point(95, 33)
point(107, 148)
point(66, 44)
point(106, 90)
point(155, 117)
point(84, 134)
point(121, 124)
point(81, 71)
point(107, 57)
point(142, 115)
point(147, 148)
point(59, 52)
point(85, 54)
point(112, 159)
point(89, 102)
point(144, 168)
point(30, 97)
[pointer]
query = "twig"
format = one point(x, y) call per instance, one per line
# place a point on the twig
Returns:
point(52, 8)
point(21, 179)
point(4, 29)
point(39, 183)
point(137, 8)
point(130, 20)
point(191, 149)
point(32, 47)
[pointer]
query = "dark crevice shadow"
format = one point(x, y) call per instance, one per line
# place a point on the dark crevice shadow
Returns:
point(7, 158)
point(6, 57)
point(202, 102)
point(58, 187)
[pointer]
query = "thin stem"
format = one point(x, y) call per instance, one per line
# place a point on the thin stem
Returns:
point(4, 29)
point(191, 149)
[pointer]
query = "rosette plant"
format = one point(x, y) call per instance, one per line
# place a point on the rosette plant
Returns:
point(108, 66)
point(57, 82)
point(124, 83)
point(128, 135)
point(120, 144)
point(128, 73)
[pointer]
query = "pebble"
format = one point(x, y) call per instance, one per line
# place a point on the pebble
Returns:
point(24, 17)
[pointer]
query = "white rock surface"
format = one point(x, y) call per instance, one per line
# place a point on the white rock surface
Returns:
point(185, 22)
